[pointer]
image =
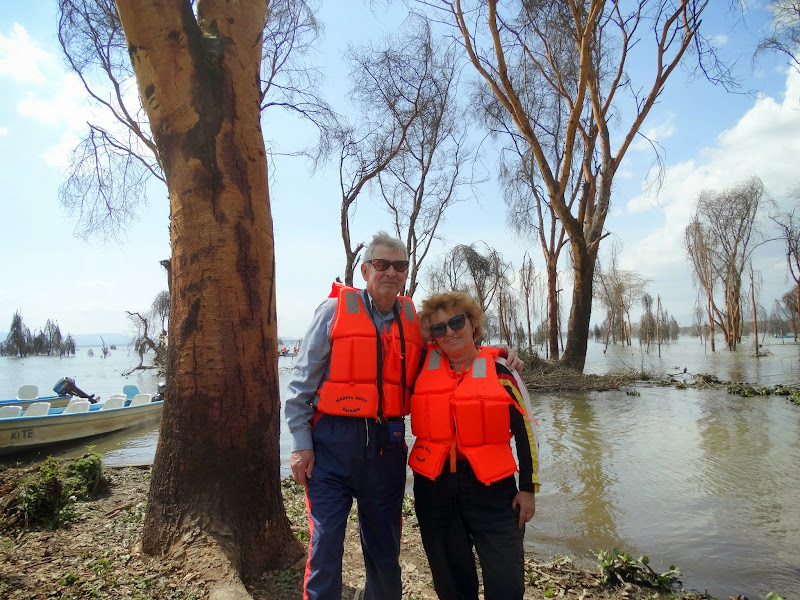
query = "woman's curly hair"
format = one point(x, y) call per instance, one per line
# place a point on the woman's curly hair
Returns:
point(458, 302)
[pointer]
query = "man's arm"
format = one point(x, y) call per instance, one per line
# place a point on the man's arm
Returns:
point(513, 362)
point(311, 367)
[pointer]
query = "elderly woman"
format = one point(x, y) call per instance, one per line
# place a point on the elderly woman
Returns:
point(465, 408)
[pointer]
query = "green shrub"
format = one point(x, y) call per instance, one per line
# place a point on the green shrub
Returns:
point(48, 495)
point(621, 567)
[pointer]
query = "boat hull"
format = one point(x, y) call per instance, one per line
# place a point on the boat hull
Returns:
point(20, 434)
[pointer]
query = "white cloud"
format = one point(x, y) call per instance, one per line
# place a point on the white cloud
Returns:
point(765, 142)
point(655, 134)
point(51, 95)
point(3, 130)
point(21, 58)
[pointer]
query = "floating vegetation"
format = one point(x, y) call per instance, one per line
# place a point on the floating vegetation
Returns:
point(621, 567)
point(748, 391)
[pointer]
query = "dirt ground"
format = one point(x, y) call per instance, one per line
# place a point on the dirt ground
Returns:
point(97, 555)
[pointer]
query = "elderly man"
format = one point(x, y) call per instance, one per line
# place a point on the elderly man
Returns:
point(349, 393)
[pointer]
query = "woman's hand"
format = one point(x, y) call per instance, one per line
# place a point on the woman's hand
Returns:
point(525, 502)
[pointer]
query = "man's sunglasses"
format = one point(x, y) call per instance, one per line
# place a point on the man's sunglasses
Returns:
point(455, 324)
point(381, 264)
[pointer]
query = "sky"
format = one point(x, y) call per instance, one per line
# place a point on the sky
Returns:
point(710, 139)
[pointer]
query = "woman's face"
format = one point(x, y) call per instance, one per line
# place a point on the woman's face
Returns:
point(453, 342)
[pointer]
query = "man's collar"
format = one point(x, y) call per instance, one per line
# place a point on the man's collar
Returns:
point(370, 302)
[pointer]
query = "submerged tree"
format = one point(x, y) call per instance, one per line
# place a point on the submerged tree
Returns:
point(18, 339)
point(720, 241)
point(216, 473)
point(580, 52)
point(789, 228)
point(468, 269)
point(151, 333)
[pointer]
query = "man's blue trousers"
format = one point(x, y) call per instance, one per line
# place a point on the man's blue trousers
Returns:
point(349, 463)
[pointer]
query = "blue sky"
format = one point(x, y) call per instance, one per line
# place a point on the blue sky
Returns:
point(710, 138)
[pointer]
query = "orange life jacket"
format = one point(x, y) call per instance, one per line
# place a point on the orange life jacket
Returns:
point(469, 412)
point(367, 370)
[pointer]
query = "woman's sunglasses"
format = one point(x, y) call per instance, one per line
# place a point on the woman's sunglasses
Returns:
point(381, 264)
point(455, 324)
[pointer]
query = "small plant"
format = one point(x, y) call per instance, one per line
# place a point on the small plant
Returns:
point(68, 579)
point(408, 506)
point(48, 495)
point(616, 566)
point(287, 580)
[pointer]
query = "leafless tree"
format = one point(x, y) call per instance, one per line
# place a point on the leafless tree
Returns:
point(527, 282)
point(618, 290)
point(507, 311)
point(789, 228)
point(289, 83)
point(151, 333)
point(388, 99)
point(719, 243)
point(580, 51)
point(699, 253)
point(427, 176)
point(109, 169)
point(647, 322)
point(411, 140)
point(107, 180)
point(788, 305)
point(530, 215)
point(784, 36)
point(468, 269)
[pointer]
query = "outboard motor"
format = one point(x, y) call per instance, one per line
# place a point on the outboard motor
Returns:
point(161, 389)
point(66, 387)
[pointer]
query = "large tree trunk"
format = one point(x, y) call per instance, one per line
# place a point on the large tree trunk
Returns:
point(216, 475)
point(584, 262)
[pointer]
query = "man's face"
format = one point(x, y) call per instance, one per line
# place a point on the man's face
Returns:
point(384, 286)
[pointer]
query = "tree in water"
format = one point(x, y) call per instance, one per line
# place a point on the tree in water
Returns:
point(720, 241)
point(18, 340)
point(151, 333)
point(579, 52)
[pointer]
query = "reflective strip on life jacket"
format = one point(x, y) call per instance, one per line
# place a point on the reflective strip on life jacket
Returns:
point(351, 389)
point(471, 412)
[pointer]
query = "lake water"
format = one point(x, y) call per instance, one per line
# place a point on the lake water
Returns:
point(697, 478)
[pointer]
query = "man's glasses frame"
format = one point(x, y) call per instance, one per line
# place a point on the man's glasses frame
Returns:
point(455, 323)
point(381, 264)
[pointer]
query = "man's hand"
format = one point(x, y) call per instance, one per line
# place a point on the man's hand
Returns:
point(513, 362)
point(525, 502)
point(302, 463)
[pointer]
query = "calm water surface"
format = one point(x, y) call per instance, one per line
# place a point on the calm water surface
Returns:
point(697, 478)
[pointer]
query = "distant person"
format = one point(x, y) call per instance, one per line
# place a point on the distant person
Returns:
point(465, 408)
point(345, 409)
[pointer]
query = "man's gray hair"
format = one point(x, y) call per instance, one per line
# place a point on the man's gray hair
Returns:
point(384, 239)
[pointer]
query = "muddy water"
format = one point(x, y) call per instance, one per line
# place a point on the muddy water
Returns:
point(703, 480)
point(700, 479)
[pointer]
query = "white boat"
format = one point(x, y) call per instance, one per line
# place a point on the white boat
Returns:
point(65, 389)
point(29, 394)
point(41, 424)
